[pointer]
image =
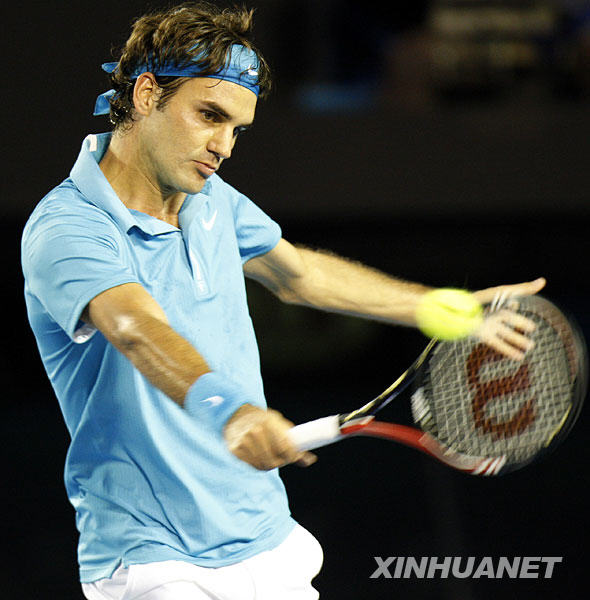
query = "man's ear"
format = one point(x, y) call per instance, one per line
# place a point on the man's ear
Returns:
point(145, 94)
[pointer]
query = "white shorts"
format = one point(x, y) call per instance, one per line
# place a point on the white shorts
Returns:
point(284, 572)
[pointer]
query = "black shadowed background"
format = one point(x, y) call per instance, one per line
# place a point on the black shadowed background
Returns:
point(441, 141)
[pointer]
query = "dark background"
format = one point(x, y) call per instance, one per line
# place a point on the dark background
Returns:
point(444, 142)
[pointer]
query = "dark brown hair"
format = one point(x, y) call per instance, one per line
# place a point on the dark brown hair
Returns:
point(176, 36)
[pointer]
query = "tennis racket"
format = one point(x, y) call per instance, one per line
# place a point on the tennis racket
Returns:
point(478, 411)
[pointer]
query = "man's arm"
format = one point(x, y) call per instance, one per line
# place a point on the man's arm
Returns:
point(130, 318)
point(322, 280)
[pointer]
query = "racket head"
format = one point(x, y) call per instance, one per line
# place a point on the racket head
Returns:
point(477, 403)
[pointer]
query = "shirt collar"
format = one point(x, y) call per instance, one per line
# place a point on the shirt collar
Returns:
point(90, 180)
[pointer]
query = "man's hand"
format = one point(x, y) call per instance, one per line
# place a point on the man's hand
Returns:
point(505, 330)
point(260, 438)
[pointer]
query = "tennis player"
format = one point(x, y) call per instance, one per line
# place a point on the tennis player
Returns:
point(134, 269)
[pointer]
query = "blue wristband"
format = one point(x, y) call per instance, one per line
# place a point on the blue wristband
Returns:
point(213, 399)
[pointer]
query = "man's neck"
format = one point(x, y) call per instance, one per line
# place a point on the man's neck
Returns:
point(129, 178)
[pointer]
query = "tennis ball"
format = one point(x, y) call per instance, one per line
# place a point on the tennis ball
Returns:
point(448, 314)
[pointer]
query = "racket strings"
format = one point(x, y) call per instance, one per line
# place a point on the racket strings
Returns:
point(481, 404)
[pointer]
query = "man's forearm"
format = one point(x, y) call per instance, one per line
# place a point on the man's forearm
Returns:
point(340, 285)
point(138, 327)
point(163, 356)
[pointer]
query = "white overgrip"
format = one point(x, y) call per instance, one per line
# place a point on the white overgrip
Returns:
point(315, 434)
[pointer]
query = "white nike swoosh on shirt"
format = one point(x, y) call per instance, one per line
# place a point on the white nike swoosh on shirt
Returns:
point(208, 225)
point(214, 400)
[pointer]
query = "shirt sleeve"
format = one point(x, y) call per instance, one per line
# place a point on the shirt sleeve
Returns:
point(70, 255)
point(256, 232)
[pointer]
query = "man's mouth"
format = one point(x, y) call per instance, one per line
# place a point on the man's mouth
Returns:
point(205, 168)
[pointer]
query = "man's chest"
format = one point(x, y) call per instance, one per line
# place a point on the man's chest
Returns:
point(197, 263)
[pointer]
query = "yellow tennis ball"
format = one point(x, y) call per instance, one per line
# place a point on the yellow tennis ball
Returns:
point(448, 314)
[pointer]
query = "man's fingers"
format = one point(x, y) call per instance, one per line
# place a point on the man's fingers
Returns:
point(517, 321)
point(289, 453)
point(507, 319)
point(260, 438)
point(517, 339)
point(506, 332)
point(528, 288)
point(306, 459)
point(513, 337)
point(505, 348)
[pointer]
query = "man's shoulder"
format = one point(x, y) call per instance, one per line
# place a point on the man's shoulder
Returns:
point(64, 205)
point(219, 187)
point(63, 195)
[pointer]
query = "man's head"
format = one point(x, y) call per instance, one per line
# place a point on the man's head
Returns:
point(186, 85)
point(196, 35)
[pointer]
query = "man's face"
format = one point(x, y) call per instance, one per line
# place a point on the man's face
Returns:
point(185, 143)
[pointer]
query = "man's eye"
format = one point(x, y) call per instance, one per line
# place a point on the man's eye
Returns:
point(240, 130)
point(208, 115)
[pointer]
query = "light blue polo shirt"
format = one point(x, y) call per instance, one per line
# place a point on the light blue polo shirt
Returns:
point(149, 482)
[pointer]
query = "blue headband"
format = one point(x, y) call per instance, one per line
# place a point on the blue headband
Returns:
point(240, 68)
